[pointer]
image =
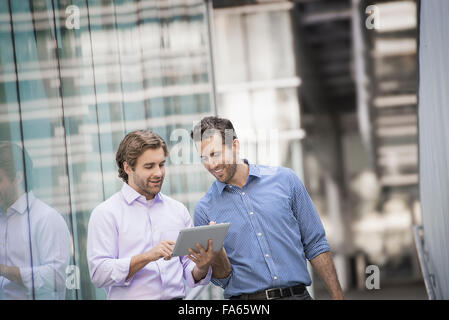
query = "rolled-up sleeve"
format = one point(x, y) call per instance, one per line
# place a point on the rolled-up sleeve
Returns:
point(223, 282)
point(312, 231)
point(105, 268)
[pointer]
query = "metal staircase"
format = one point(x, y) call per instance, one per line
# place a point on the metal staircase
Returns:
point(391, 51)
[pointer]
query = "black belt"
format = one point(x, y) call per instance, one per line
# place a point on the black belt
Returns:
point(271, 294)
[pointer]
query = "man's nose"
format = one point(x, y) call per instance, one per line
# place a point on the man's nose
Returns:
point(157, 172)
point(214, 162)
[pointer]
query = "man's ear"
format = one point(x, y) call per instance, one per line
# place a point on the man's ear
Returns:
point(236, 147)
point(127, 168)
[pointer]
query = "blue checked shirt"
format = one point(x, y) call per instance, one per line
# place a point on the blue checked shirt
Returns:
point(274, 229)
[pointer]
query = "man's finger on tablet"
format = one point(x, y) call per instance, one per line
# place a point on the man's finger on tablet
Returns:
point(193, 253)
point(212, 222)
point(210, 245)
point(167, 247)
point(167, 252)
point(200, 248)
point(192, 256)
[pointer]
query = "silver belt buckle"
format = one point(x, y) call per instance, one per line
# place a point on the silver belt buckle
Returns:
point(269, 290)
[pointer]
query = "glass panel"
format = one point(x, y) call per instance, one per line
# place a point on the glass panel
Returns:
point(37, 206)
point(75, 76)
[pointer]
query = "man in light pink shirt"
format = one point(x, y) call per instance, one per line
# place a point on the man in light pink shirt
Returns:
point(130, 235)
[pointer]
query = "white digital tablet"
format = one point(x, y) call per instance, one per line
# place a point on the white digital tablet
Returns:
point(189, 237)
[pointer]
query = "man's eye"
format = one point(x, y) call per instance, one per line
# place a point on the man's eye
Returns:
point(162, 164)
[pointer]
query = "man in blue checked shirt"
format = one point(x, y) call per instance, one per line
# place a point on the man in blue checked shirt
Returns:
point(274, 224)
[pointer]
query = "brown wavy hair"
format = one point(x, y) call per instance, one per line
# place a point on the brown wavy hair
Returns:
point(133, 145)
point(211, 125)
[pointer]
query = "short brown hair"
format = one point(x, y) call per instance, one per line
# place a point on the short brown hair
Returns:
point(132, 147)
point(212, 125)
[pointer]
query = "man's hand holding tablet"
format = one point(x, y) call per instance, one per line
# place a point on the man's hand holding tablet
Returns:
point(202, 257)
point(189, 238)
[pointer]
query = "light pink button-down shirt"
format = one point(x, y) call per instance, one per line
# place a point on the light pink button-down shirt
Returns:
point(126, 225)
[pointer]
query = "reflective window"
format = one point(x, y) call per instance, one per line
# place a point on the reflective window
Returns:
point(75, 77)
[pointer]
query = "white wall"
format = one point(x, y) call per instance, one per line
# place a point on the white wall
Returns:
point(434, 138)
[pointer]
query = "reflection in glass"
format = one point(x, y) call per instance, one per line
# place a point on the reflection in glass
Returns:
point(35, 241)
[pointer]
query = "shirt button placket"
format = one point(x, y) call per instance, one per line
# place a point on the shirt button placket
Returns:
point(259, 234)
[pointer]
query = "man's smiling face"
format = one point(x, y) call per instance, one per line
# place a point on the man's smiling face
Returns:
point(217, 158)
point(148, 174)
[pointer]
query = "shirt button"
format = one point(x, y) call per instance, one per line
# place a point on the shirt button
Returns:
point(251, 213)
point(243, 193)
point(267, 255)
point(275, 278)
point(259, 234)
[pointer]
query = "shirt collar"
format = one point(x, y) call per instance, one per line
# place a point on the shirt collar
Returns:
point(253, 171)
point(23, 202)
point(131, 195)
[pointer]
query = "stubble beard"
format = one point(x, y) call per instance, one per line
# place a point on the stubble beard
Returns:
point(144, 188)
point(231, 169)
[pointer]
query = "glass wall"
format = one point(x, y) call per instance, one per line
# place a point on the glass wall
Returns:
point(75, 77)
